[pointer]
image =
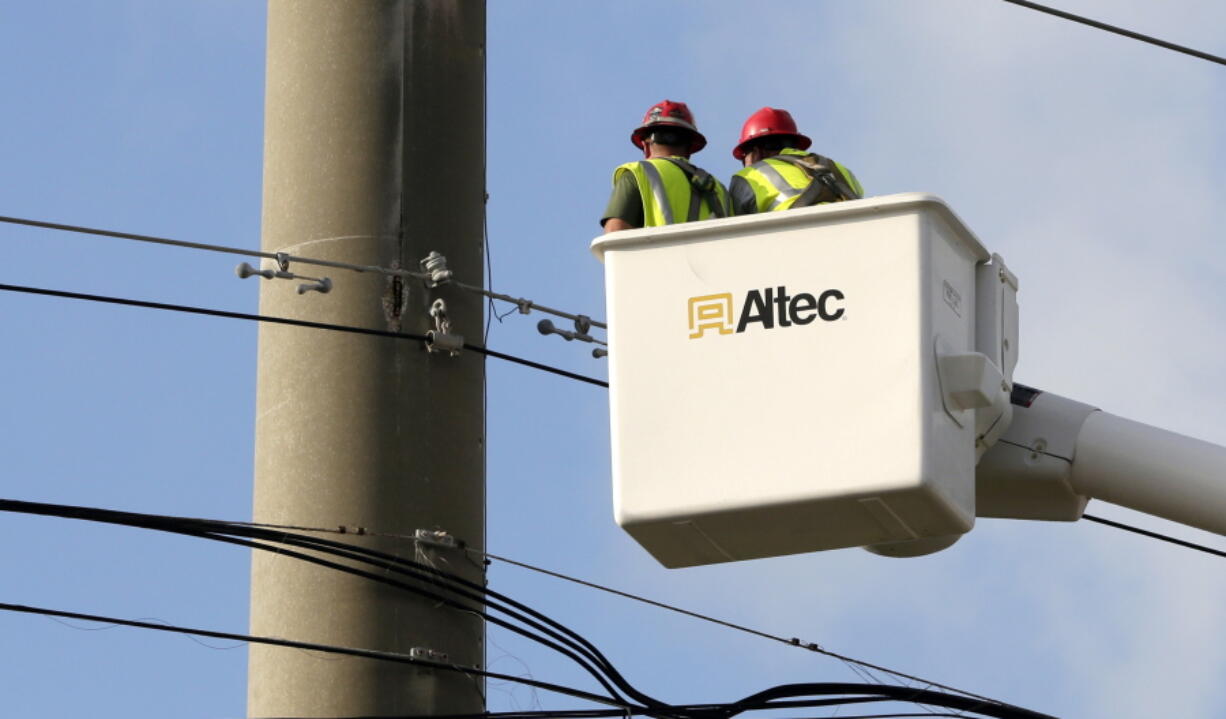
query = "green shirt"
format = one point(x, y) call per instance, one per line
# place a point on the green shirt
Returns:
point(625, 203)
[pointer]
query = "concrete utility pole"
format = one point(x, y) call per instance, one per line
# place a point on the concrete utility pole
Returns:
point(374, 153)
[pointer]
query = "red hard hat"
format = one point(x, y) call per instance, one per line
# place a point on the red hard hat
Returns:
point(765, 122)
point(669, 114)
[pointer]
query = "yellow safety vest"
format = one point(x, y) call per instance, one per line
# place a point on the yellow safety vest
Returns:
point(669, 193)
point(777, 183)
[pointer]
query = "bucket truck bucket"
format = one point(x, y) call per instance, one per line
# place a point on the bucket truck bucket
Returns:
point(802, 380)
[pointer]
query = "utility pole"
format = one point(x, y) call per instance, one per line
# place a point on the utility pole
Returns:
point(374, 153)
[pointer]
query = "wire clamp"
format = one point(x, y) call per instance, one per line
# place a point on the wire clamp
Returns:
point(435, 538)
point(440, 338)
point(435, 267)
point(429, 655)
point(322, 285)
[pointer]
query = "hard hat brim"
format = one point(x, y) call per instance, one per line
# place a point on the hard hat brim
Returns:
point(642, 131)
point(802, 142)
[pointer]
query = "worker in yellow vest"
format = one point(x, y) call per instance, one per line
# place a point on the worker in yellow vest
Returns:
point(664, 188)
point(779, 174)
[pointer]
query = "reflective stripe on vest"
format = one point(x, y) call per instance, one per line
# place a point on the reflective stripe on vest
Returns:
point(658, 192)
point(667, 193)
point(783, 189)
point(776, 183)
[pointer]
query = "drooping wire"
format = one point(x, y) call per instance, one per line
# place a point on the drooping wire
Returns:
point(763, 700)
point(602, 713)
point(243, 534)
point(551, 633)
point(294, 322)
point(790, 641)
point(1118, 31)
point(590, 658)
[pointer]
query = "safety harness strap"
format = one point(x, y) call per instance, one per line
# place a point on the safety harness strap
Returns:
point(702, 189)
point(826, 183)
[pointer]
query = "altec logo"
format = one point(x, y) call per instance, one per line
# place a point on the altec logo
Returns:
point(770, 307)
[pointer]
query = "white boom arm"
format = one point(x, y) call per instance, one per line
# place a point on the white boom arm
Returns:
point(1058, 453)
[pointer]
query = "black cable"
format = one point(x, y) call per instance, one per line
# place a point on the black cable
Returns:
point(999, 710)
point(896, 693)
point(297, 323)
point(285, 257)
point(530, 363)
point(790, 641)
point(91, 514)
point(776, 698)
point(326, 648)
point(1119, 31)
point(609, 713)
point(1155, 535)
point(541, 714)
point(580, 650)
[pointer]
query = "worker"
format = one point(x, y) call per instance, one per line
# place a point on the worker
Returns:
point(779, 174)
point(664, 187)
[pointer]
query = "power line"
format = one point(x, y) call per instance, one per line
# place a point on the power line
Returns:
point(244, 534)
point(312, 646)
point(1119, 31)
point(546, 631)
point(1155, 535)
point(294, 322)
point(792, 641)
point(382, 333)
point(133, 236)
point(535, 365)
point(762, 700)
point(517, 360)
point(523, 305)
point(163, 522)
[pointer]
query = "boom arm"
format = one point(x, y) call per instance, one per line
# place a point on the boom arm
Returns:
point(1058, 453)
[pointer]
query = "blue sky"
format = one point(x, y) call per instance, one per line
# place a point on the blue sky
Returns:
point(1092, 163)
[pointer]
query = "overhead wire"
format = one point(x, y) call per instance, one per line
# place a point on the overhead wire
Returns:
point(1118, 31)
point(602, 713)
point(1155, 535)
point(860, 693)
point(245, 535)
point(790, 641)
point(522, 304)
point(491, 353)
point(107, 299)
point(277, 532)
point(316, 647)
point(568, 643)
point(304, 323)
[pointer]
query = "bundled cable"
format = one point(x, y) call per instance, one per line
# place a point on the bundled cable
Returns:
point(449, 589)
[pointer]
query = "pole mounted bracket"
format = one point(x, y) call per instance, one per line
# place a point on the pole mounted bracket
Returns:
point(440, 338)
point(429, 655)
point(436, 538)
